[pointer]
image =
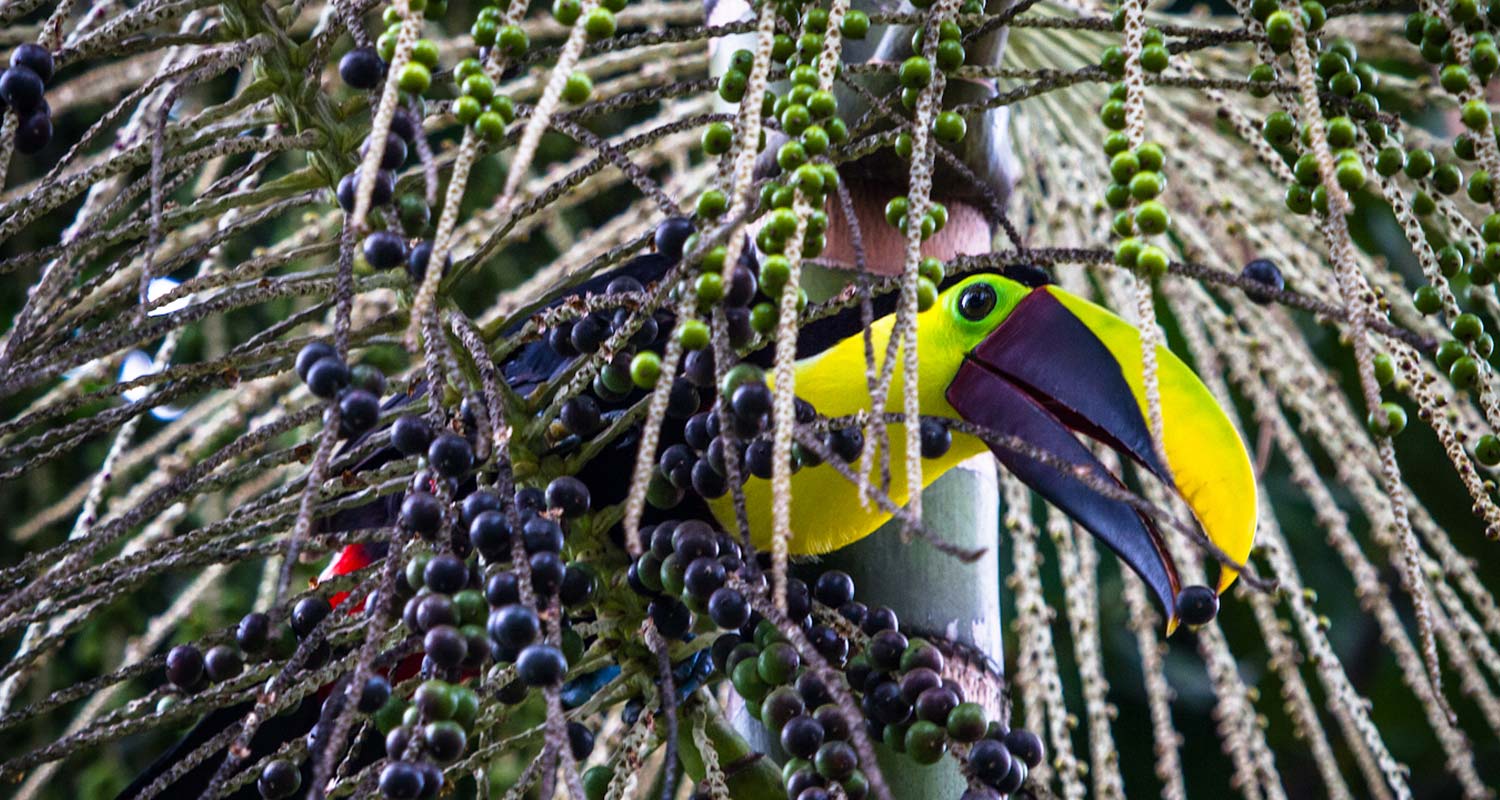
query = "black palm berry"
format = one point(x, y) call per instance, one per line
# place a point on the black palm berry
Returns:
point(707, 481)
point(1014, 779)
point(421, 255)
point(434, 610)
point(834, 588)
point(1264, 272)
point(445, 573)
point(376, 692)
point(846, 443)
point(35, 58)
point(451, 455)
point(184, 666)
point(279, 778)
point(798, 599)
point(547, 570)
point(624, 284)
point(698, 366)
point(645, 335)
point(805, 783)
point(935, 704)
point(781, 706)
point(672, 618)
point(885, 650)
point(35, 131)
point(445, 741)
point(580, 415)
point(671, 234)
point(401, 780)
point(253, 633)
point(990, 761)
point(358, 411)
point(542, 535)
point(568, 495)
point(889, 706)
point(922, 654)
point(421, 513)
point(396, 741)
point(445, 645)
point(694, 539)
point(541, 665)
point(802, 737)
point(383, 191)
point(589, 332)
point(515, 626)
point(759, 459)
point(751, 400)
point(1026, 746)
point(404, 124)
point(704, 576)
point(502, 589)
point(411, 435)
point(683, 400)
point(223, 662)
point(1197, 605)
point(21, 89)
point(477, 502)
point(580, 740)
point(936, 438)
point(577, 585)
point(328, 377)
point(489, 533)
point(362, 68)
point(741, 289)
point(560, 339)
point(737, 325)
point(829, 644)
point(728, 608)
point(855, 612)
point(393, 155)
point(835, 726)
point(310, 354)
point(677, 465)
point(835, 760)
point(530, 500)
point(696, 431)
point(881, 618)
point(916, 681)
point(385, 250)
point(307, 613)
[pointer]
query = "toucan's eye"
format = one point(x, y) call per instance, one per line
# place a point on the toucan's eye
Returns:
point(977, 301)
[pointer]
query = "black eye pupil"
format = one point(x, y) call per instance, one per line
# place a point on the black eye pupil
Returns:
point(977, 302)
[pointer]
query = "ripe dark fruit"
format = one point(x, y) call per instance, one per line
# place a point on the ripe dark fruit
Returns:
point(514, 626)
point(421, 255)
point(435, 609)
point(1265, 272)
point(307, 613)
point(401, 781)
point(376, 692)
point(310, 354)
point(445, 645)
point(885, 650)
point(880, 618)
point(445, 741)
point(671, 234)
point(936, 439)
point(1014, 779)
point(917, 681)
point(589, 332)
point(990, 761)
point(490, 535)
point(834, 588)
point(541, 665)
point(34, 132)
point(751, 400)
point(1197, 605)
point(704, 576)
point(380, 194)
point(411, 435)
point(445, 573)
point(184, 666)
point(21, 89)
point(358, 411)
point(222, 663)
point(279, 778)
point(728, 608)
point(546, 573)
point(393, 155)
point(577, 586)
point(253, 633)
point(328, 377)
point(672, 618)
point(580, 740)
point(451, 455)
point(802, 737)
point(935, 704)
point(385, 250)
point(421, 513)
point(35, 58)
point(569, 495)
point(1026, 746)
point(502, 589)
point(580, 415)
point(542, 535)
point(362, 68)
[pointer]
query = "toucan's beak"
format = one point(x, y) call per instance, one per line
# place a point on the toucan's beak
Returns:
point(1058, 366)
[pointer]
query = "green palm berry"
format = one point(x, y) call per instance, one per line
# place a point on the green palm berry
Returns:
point(1279, 128)
point(1427, 300)
point(713, 260)
point(1345, 84)
point(467, 109)
point(815, 140)
point(1116, 142)
point(775, 271)
point(838, 130)
point(484, 32)
point(1487, 450)
point(1314, 15)
point(855, 25)
point(645, 369)
point(1113, 115)
point(926, 294)
point(809, 179)
point(1260, 79)
point(795, 119)
point(1124, 166)
point(1331, 63)
point(1147, 185)
point(1298, 199)
point(465, 68)
point(939, 215)
point(1123, 224)
point(915, 73)
point(1119, 91)
point(1155, 58)
point(710, 288)
point(822, 104)
point(490, 127)
point(1117, 195)
point(505, 107)
point(1480, 189)
point(1467, 327)
point(712, 203)
point(782, 47)
point(1385, 369)
point(791, 155)
point(717, 138)
point(1414, 26)
point(599, 24)
point(895, 211)
point(1342, 132)
point(931, 269)
point(1151, 156)
point(903, 146)
point(1152, 261)
point(1449, 352)
point(1280, 28)
point(1485, 59)
point(1454, 78)
point(926, 743)
point(1462, 11)
point(804, 75)
point(1447, 178)
point(950, 55)
point(909, 98)
point(830, 176)
point(513, 41)
point(479, 87)
point(1152, 217)
point(1350, 175)
point(1390, 161)
point(1127, 252)
point(1464, 373)
point(1463, 147)
point(816, 19)
point(809, 45)
point(414, 79)
point(692, 334)
point(578, 89)
point(949, 127)
point(1389, 419)
point(1475, 115)
point(1419, 163)
point(1112, 61)
point(732, 86)
point(567, 12)
point(425, 52)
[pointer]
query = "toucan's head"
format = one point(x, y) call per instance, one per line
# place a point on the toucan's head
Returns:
point(1054, 371)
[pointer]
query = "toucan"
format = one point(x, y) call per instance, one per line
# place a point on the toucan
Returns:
point(1006, 351)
